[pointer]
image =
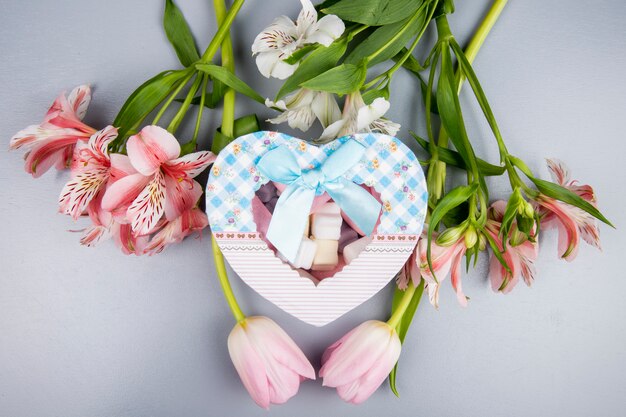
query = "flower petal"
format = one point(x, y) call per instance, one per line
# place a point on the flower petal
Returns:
point(123, 191)
point(79, 99)
point(100, 140)
point(180, 196)
point(328, 29)
point(271, 64)
point(559, 171)
point(150, 148)
point(326, 109)
point(190, 165)
point(369, 113)
point(146, 210)
point(249, 366)
point(80, 190)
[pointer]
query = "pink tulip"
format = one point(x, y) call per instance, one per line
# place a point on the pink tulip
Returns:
point(269, 363)
point(571, 222)
point(192, 220)
point(163, 183)
point(445, 259)
point(359, 362)
point(52, 142)
point(520, 259)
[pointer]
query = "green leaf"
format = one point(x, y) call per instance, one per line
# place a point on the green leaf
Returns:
point(179, 34)
point(371, 95)
point(319, 61)
point(231, 80)
point(405, 323)
point(373, 12)
point(145, 99)
point(468, 71)
point(300, 53)
point(455, 197)
point(389, 38)
point(450, 109)
point(343, 79)
point(453, 158)
point(563, 194)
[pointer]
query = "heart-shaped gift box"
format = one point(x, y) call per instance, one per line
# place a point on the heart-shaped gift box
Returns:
point(387, 168)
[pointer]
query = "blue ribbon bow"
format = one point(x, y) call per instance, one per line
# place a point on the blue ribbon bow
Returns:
point(294, 204)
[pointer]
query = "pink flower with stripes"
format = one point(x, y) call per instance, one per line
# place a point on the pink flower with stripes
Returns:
point(52, 142)
point(571, 222)
point(91, 169)
point(445, 260)
point(191, 220)
point(162, 185)
point(520, 259)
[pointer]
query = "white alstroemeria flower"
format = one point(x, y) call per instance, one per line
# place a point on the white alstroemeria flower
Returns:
point(359, 117)
point(302, 107)
point(283, 37)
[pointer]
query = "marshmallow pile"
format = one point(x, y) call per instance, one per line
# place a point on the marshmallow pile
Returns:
point(328, 242)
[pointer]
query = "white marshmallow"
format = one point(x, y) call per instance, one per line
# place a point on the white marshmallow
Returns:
point(326, 257)
point(326, 222)
point(305, 256)
point(352, 251)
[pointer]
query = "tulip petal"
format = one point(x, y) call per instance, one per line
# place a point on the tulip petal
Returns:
point(150, 148)
point(352, 358)
point(249, 366)
point(284, 349)
point(377, 374)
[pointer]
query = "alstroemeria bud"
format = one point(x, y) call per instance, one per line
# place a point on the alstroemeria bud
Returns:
point(471, 237)
point(482, 242)
point(361, 360)
point(452, 235)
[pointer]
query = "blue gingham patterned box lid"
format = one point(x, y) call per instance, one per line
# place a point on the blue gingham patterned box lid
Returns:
point(387, 165)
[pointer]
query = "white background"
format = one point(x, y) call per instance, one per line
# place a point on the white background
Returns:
point(91, 332)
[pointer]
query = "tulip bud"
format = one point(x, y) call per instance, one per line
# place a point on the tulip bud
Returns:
point(361, 360)
point(267, 360)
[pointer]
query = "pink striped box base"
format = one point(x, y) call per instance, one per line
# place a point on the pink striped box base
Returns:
point(319, 304)
point(387, 166)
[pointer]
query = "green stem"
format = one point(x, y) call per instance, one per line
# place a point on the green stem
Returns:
point(228, 62)
point(395, 318)
point(227, 129)
point(205, 80)
point(223, 30)
point(483, 30)
point(222, 275)
point(182, 111)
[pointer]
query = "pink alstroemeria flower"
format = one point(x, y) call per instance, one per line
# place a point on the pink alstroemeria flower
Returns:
point(520, 259)
point(269, 363)
point(104, 226)
point(191, 220)
point(571, 222)
point(445, 259)
point(163, 183)
point(52, 142)
point(90, 168)
point(359, 362)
